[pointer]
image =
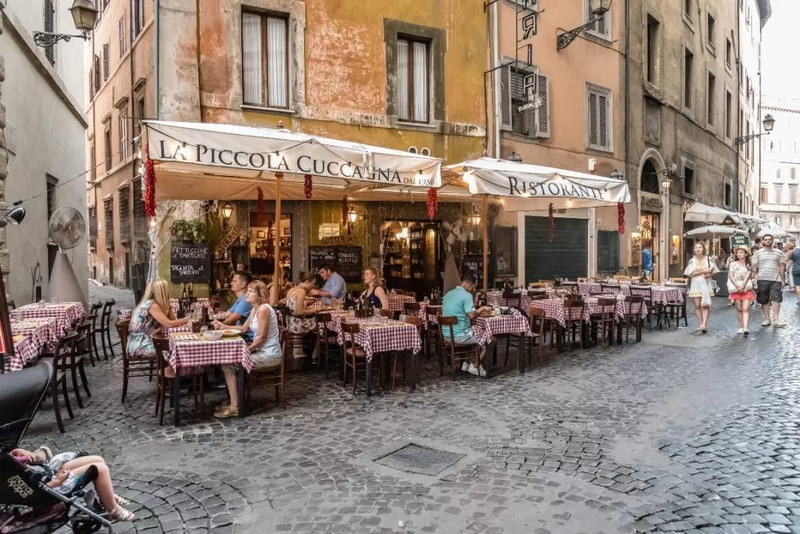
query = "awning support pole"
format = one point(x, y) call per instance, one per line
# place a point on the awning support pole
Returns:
point(485, 242)
point(277, 278)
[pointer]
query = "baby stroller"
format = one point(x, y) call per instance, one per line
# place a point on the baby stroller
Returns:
point(27, 504)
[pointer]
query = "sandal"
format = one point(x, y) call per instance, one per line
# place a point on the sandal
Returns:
point(220, 407)
point(120, 514)
point(121, 501)
point(226, 413)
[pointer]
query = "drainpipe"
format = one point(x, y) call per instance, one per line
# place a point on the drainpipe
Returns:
point(628, 100)
point(496, 79)
point(156, 56)
point(735, 113)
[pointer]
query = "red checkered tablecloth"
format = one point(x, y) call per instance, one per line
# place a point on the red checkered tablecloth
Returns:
point(124, 314)
point(25, 351)
point(65, 313)
point(379, 334)
point(554, 310)
point(42, 330)
point(396, 301)
point(488, 327)
point(662, 294)
point(188, 350)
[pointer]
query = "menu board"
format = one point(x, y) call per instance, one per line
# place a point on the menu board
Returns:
point(319, 256)
point(190, 263)
point(349, 263)
point(473, 264)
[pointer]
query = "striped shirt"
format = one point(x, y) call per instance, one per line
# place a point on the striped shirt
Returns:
point(767, 262)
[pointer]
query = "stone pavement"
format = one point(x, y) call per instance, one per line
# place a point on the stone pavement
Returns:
point(680, 433)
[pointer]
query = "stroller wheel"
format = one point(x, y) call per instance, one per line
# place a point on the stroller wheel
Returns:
point(85, 526)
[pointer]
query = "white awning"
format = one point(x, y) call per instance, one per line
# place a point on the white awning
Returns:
point(700, 212)
point(532, 187)
point(198, 158)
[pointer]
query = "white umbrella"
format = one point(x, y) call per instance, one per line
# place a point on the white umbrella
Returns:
point(700, 212)
point(712, 231)
point(772, 229)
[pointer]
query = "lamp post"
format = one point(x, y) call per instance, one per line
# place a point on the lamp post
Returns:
point(514, 158)
point(598, 8)
point(84, 15)
point(768, 123)
point(665, 185)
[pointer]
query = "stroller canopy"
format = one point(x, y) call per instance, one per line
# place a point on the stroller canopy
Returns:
point(21, 393)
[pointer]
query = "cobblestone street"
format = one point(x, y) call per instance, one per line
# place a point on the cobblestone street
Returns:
point(679, 433)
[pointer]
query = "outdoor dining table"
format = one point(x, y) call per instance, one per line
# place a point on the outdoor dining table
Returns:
point(379, 334)
point(42, 330)
point(25, 351)
point(396, 301)
point(188, 349)
point(124, 314)
point(487, 328)
point(65, 313)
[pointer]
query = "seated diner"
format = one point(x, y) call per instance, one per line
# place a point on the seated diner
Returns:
point(265, 349)
point(240, 311)
point(374, 293)
point(460, 304)
point(152, 313)
point(301, 321)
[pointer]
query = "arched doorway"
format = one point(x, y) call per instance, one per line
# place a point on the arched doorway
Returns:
point(648, 249)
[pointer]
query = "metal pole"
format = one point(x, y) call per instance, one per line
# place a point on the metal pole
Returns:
point(276, 280)
point(485, 242)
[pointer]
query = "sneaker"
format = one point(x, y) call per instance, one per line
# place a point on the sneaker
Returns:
point(778, 323)
point(746, 333)
point(477, 371)
point(740, 331)
point(465, 366)
point(766, 323)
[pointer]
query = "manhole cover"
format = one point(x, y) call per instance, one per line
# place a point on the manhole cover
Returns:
point(422, 460)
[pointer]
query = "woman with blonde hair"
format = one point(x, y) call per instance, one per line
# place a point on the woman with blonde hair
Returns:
point(152, 313)
point(265, 349)
point(374, 294)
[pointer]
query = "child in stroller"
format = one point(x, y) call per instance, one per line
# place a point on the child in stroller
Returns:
point(40, 493)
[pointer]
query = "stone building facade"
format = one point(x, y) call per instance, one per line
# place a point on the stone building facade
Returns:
point(780, 178)
point(683, 79)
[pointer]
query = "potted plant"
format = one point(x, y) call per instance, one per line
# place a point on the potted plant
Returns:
point(189, 230)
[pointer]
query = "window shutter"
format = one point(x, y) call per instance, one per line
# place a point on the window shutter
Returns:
point(601, 24)
point(105, 61)
point(96, 73)
point(593, 119)
point(505, 97)
point(122, 36)
point(49, 27)
point(402, 80)
point(543, 111)
point(602, 123)
point(252, 54)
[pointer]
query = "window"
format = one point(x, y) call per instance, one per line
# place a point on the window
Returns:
point(791, 222)
point(599, 119)
point(602, 26)
point(741, 203)
point(520, 88)
point(124, 215)
point(728, 52)
point(778, 172)
point(793, 173)
point(96, 73)
point(778, 193)
point(728, 193)
point(793, 195)
point(139, 218)
point(122, 36)
point(265, 62)
point(687, 9)
point(412, 80)
point(50, 27)
point(778, 220)
point(728, 113)
point(93, 161)
point(51, 185)
point(108, 215)
point(688, 67)
point(107, 143)
point(123, 134)
point(763, 196)
point(105, 61)
point(712, 91)
point(138, 115)
point(653, 49)
point(711, 34)
point(137, 18)
point(93, 228)
point(688, 178)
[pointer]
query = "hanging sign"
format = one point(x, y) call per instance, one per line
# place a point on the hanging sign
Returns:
point(740, 240)
point(190, 263)
point(338, 240)
point(228, 240)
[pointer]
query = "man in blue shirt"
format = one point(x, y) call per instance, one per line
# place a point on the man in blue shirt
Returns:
point(459, 303)
point(334, 288)
point(647, 261)
point(238, 313)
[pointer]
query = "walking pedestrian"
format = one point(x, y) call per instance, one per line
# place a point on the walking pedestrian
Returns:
point(787, 253)
point(700, 269)
point(740, 286)
point(770, 266)
point(795, 274)
point(730, 259)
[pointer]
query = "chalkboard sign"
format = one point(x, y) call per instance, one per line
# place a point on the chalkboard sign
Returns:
point(473, 264)
point(319, 256)
point(349, 263)
point(191, 263)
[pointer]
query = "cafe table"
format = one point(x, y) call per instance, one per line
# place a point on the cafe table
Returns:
point(66, 314)
point(42, 330)
point(396, 301)
point(25, 351)
point(486, 328)
point(188, 349)
point(379, 334)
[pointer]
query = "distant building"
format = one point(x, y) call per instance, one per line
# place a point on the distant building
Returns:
point(43, 140)
point(780, 164)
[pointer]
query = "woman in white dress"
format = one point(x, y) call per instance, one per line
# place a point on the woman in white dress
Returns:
point(700, 269)
point(265, 349)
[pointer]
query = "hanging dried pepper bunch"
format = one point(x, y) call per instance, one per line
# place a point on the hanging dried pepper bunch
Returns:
point(551, 223)
point(307, 185)
point(344, 211)
point(433, 203)
point(260, 201)
point(621, 217)
point(149, 186)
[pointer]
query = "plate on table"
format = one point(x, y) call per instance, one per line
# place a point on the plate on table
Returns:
point(230, 333)
point(487, 314)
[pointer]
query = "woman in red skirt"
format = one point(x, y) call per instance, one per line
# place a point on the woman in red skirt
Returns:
point(740, 287)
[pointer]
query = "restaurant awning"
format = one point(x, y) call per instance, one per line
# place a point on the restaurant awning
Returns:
point(531, 187)
point(700, 212)
point(200, 161)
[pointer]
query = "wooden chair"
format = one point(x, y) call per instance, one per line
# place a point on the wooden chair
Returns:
point(622, 278)
point(361, 314)
point(680, 280)
point(412, 320)
point(413, 309)
point(656, 310)
point(536, 293)
point(457, 353)
point(271, 377)
point(328, 343)
point(513, 300)
point(94, 316)
point(164, 384)
point(574, 311)
point(582, 279)
point(354, 356)
point(138, 367)
point(537, 285)
point(538, 297)
point(433, 334)
point(677, 309)
point(537, 324)
point(63, 348)
point(105, 328)
point(633, 316)
point(71, 362)
point(389, 314)
point(604, 320)
point(609, 289)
